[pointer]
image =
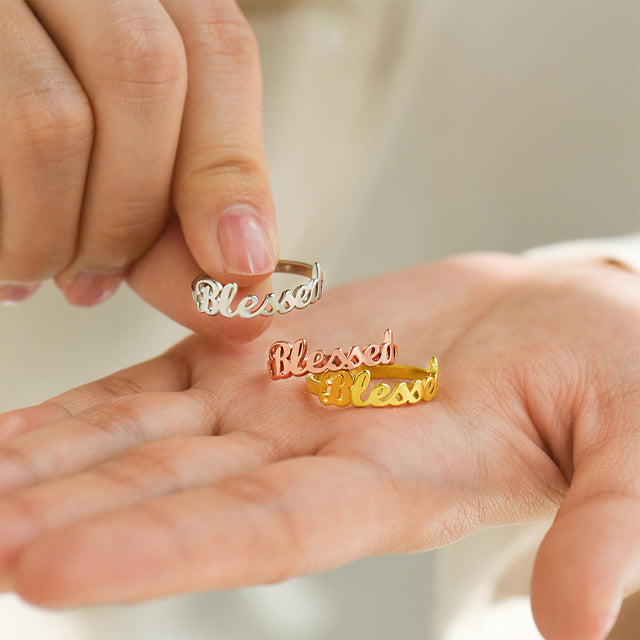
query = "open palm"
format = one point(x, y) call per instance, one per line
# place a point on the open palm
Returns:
point(196, 471)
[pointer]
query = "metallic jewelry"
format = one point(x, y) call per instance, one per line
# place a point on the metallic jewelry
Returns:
point(286, 359)
point(213, 297)
point(341, 388)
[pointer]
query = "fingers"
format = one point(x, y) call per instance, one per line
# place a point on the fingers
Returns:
point(46, 133)
point(100, 432)
point(163, 278)
point(588, 562)
point(263, 526)
point(130, 59)
point(221, 188)
point(169, 372)
point(590, 558)
point(152, 469)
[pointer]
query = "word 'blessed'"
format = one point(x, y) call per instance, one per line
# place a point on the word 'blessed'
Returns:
point(286, 359)
point(342, 388)
point(212, 297)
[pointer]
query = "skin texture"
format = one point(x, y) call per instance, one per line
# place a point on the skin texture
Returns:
point(196, 471)
point(129, 115)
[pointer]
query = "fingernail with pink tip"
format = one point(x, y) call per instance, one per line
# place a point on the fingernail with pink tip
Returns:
point(88, 289)
point(11, 293)
point(244, 242)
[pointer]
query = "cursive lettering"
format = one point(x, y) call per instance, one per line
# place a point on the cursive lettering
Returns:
point(287, 359)
point(213, 298)
point(343, 387)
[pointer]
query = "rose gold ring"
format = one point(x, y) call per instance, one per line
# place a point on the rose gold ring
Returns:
point(286, 359)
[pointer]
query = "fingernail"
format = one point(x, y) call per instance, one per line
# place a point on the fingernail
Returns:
point(244, 242)
point(11, 293)
point(88, 289)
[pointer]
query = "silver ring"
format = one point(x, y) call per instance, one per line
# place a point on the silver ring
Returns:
point(213, 297)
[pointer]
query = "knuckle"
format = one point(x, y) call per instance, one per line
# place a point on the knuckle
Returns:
point(117, 419)
point(17, 463)
point(118, 385)
point(53, 117)
point(238, 165)
point(146, 53)
point(36, 261)
point(222, 30)
point(238, 157)
point(266, 446)
point(121, 237)
point(151, 462)
point(132, 232)
point(136, 467)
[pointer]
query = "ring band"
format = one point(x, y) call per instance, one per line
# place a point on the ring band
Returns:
point(286, 359)
point(212, 297)
point(341, 388)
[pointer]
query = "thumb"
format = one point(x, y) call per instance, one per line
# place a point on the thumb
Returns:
point(590, 558)
point(162, 277)
point(221, 182)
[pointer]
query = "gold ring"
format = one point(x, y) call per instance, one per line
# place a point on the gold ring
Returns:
point(341, 388)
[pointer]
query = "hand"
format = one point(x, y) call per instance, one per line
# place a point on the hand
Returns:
point(104, 104)
point(196, 471)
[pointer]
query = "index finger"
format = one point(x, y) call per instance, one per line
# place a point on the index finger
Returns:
point(221, 183)
point(163, 278)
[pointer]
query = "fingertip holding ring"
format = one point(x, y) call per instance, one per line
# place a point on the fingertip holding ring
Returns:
point(213, 297)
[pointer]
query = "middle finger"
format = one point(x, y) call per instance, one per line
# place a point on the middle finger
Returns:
point(130, 59)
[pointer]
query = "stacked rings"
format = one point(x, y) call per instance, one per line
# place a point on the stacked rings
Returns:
point(339, 378)
point(342, 378)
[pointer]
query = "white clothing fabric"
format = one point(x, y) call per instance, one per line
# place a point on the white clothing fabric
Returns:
point(403, 131)
point(624, 250)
